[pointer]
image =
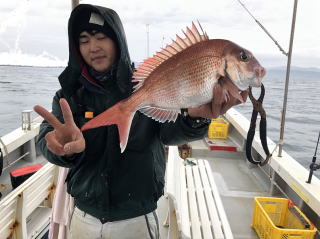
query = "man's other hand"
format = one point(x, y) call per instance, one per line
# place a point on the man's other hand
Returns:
point(225, 95)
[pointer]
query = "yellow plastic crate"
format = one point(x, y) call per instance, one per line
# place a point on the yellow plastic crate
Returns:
point(278, 218)
point(218, 129)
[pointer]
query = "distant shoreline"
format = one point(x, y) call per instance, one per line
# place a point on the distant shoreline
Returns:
point(273, 68)
point(34, 66)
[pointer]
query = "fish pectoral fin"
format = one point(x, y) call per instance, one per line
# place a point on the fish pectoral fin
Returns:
point(161, 115)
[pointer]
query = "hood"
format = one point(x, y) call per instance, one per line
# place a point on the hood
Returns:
point(69, 78)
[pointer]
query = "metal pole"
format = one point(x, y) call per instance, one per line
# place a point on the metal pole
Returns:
point(74, 3)
point(284, 108)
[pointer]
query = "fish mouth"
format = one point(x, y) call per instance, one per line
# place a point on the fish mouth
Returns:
point(242, 82)
point(232, 89)
point(241, 86)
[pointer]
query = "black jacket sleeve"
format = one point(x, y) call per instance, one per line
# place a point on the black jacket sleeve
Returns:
point(45, 127)
point(180, 132)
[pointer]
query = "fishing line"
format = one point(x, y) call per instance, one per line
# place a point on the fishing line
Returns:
point(315, 153)
point(264, 29)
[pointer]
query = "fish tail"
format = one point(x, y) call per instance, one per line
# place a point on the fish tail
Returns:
point(118, 114)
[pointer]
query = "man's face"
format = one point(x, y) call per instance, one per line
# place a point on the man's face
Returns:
point(98, 50)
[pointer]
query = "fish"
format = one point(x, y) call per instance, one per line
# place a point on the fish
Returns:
point(183, 75)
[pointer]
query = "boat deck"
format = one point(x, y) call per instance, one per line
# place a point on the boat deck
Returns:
point(238, 183)
point(237, 180)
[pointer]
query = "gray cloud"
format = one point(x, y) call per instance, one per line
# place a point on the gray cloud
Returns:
point(44, 26)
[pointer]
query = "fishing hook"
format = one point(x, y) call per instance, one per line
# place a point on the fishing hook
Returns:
point(257, 108)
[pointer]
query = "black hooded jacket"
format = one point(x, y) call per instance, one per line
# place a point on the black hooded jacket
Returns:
point(106, 183)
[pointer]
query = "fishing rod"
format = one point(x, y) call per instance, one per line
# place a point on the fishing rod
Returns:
point(313, 165)
point(264, 29)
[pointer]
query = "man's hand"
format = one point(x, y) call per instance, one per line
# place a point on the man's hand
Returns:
point(65, 139)
point(225, 95)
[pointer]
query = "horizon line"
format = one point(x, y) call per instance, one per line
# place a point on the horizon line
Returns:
point(63, 66)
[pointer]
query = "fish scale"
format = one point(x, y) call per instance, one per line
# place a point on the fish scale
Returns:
point(178, 89)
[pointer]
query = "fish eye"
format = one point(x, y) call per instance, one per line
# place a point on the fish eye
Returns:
point(243, 56)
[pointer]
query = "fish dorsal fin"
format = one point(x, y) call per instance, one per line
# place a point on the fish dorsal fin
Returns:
point(191, 36)
point(161, 115)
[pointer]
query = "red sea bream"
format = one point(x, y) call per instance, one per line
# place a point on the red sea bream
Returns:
point(183, 75)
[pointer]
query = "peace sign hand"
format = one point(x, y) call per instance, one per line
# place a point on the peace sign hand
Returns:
point(65, 139)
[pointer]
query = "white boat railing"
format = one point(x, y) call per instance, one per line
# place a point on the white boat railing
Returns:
point(25, 212)
point(291, 171)
point(18, 137)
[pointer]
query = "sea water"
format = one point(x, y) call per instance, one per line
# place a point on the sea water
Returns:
point(23, 87)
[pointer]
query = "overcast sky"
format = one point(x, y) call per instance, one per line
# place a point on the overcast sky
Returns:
point(34, 32)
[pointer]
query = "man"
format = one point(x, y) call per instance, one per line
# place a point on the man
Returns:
point(115, 193)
